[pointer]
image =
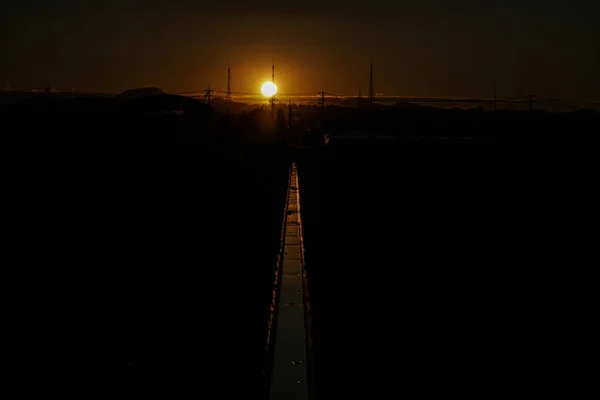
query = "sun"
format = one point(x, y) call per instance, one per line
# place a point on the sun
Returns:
point(268, 89)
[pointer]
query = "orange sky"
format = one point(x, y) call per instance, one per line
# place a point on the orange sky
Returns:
point(425, 48)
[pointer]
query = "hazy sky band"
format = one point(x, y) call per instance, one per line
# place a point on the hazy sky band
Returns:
point(426, 48)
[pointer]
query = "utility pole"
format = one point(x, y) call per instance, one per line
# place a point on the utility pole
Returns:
point(322, 104)
point(207, 96)
point(228, 97)
point(371, 92)
point(290, 115)
point(531, 102)
point(273, 81)
point(495, 98)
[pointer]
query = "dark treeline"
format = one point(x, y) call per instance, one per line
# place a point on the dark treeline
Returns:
point(158, 117)
point(410, 120)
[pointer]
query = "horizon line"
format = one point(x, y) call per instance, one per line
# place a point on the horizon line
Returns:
point(250, 96)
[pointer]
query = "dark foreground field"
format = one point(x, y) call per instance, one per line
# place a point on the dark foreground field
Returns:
point(141, 273)
point(411, 284)
point(140, 281)
point(200, 308)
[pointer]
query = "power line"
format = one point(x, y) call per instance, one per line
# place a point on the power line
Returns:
point(228, 97)
point(371, 93)
point(207, 96)
point(531, 102)
point(272, 99)
point(321, 95)
point(322, 104)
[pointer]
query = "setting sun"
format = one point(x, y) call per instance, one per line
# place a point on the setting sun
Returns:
point(268, 89)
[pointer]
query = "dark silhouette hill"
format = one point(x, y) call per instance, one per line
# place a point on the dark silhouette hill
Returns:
point(162, 104)
point(163, 117)
point(140, 92)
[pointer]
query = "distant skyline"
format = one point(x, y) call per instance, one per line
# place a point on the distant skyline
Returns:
point(418, 48)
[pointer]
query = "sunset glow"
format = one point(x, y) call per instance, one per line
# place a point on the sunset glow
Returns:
point(268, 89)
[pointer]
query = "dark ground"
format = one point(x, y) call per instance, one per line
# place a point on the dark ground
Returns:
point(199, 314)
point(131, 260)
point(129, 253)
point(411, 282)
point(200, 323)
